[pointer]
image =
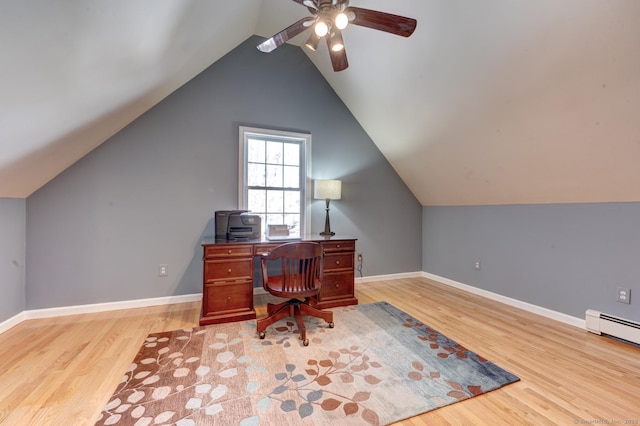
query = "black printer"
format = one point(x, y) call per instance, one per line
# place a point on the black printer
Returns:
point(237, 225)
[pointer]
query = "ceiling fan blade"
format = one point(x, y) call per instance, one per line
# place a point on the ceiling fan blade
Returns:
point(382, 21)
point(338, 59)
point(291, 31)
point(309, 4)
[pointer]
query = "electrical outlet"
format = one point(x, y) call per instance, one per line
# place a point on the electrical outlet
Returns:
point(477, 265)
point(624, 295)
point(163, 270)
point(359, 257)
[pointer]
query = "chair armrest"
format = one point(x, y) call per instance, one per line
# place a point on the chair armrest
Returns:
point(263, 266)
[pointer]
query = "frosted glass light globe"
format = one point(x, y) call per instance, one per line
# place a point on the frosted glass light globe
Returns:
point(341, 21)
point(321, 29)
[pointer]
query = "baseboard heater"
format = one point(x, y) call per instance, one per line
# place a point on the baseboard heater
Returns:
point(600, 323)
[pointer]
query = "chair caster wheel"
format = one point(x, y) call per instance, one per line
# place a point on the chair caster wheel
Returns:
point(331, 325)
point(305, 342)
point(261, 334)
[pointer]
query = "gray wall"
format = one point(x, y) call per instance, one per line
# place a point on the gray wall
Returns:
point(12, 257)
point(566, 257)
point(99, 230)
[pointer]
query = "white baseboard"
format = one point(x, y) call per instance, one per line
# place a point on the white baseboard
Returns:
point(539, 310)
point(12, 322)
point(388, 277)
point(259, 290)
point(96, 307)
point(141, 303)
point(110, 306)
point(103, 307)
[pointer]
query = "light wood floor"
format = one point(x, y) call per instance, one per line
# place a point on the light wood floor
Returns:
point(62, 371)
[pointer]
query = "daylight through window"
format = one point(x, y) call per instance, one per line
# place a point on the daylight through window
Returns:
point(273, 176)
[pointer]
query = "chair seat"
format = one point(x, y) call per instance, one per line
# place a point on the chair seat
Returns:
point(275, 286)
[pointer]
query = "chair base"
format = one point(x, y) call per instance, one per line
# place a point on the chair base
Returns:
point(293, 308)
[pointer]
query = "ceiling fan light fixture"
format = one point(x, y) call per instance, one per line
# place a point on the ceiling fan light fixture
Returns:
point(341, 20)
point(321, 28)
point(336, 42)
point(312, 41)
point(329, 18)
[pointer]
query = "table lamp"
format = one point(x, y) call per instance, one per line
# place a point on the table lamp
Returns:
point(327, 190)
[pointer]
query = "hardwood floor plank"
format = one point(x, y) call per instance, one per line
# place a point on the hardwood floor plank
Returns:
point(63, 370)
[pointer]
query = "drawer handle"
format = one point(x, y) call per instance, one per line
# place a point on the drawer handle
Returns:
point(337, 262)
point(337, 285)
point(229, 251)
point(338, 245)
point(229, 270)
point(228, 298)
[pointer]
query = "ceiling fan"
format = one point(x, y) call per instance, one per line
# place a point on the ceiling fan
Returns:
point(329, 18)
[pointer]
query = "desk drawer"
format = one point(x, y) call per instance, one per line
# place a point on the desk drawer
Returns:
point(228, 270)
point(334, 262)
point(336, 286)
point(337, 246)
point(227, 298)
point(228, 251)
point(265, 248)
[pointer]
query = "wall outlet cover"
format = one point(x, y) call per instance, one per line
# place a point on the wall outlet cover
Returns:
point(163, 270)
point(624, 295)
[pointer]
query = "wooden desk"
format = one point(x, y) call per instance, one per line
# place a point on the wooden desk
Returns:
point(228, 271)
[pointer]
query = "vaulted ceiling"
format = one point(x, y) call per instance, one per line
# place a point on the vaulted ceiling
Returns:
point(489, 102)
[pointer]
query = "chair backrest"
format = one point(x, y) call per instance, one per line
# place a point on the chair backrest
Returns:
point(301, 269)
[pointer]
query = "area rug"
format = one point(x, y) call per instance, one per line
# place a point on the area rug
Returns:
point(377, 366)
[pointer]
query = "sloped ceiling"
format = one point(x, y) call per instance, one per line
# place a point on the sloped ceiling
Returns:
point(489, 102)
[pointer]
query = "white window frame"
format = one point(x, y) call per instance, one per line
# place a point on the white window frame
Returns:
point(304, 139)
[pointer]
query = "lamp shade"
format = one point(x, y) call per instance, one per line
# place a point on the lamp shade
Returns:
point(327, 189)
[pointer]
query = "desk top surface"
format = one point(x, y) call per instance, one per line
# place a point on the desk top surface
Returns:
point(264, 240)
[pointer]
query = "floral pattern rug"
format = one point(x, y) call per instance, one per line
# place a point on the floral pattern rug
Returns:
point(377, 366)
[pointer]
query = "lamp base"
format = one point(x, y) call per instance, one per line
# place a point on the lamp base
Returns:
point(327, 225)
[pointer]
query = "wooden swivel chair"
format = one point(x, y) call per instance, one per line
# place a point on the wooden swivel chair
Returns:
point(300, 279)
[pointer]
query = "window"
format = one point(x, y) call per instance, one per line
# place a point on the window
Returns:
point(274, 177)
